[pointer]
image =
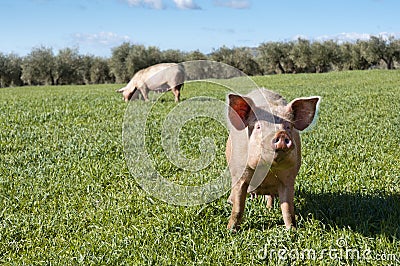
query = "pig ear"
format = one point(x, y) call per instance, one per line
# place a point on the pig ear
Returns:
point(304, 110)
point(239, 110)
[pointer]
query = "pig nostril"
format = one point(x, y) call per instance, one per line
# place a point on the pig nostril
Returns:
point(281, 142)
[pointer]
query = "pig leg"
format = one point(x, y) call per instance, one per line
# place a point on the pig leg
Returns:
point(145, 93)
point(238, 198)
point(136, 95)
point(239, 193)
point(270, 201)
point(176, 92)
point(286, 197)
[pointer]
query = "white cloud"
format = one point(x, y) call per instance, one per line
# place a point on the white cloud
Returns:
point(101, 38)
point(237, 4)
point(353, 36)
point(154, 4)
point(186, 4)
point(159, 4)
point(344, 37)
point(348, 36)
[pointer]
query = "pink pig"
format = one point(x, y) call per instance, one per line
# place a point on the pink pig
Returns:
point(160, 77)
point(263, 149)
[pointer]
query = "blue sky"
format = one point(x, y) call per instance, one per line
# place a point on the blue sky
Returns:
point(95, 26)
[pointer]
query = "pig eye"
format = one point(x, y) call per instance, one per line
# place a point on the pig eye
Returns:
point(258, 126)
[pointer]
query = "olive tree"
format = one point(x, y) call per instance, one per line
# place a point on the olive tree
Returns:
point(67, 64)
point(10, 70)
point(118, 63)
point(38, 67)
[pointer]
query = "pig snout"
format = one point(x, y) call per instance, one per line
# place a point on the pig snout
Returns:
point(281, 142)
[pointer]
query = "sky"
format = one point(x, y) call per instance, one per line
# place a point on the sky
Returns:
point(94, 27)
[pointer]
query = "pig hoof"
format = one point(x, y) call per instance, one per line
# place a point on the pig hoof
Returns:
point(291, 227)
point(233, 229)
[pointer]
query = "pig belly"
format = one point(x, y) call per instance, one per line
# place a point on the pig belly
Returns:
point(268, 187)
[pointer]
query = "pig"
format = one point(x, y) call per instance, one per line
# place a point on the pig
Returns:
point(263, 149)
point(167, 76)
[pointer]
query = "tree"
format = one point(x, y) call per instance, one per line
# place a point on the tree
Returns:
point(240, 58)
point(396, 47)
point(3, 69)
point(10, 70)
point(287, 60)
point(334, 53)
point(172, 56)
point(380, 49)
point(269, 57)
point(301, 56)
point(67, 64)
point(99, 71)
point(244, 60)
point(358, 56)
point(195, 55)
point(345, 51)
point(324, 56)
point(374, 50)
point(118, 63)
point(274, 57)
point(84, 69)
point(38, 67)
point(138, 58)
point(153, 56)
point(223, 54)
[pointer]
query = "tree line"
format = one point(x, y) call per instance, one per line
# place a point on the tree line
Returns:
point(43, 67)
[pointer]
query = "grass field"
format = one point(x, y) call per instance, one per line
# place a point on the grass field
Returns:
point(67, 195)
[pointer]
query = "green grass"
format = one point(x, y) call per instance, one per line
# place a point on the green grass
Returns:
point(68, 197)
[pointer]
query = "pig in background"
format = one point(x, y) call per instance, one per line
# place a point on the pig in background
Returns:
point(264, 150)
point(160, 77)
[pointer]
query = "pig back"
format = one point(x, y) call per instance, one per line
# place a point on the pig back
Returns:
point(156, 76)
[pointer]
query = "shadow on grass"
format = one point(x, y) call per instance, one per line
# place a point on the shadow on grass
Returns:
point(369, 215)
